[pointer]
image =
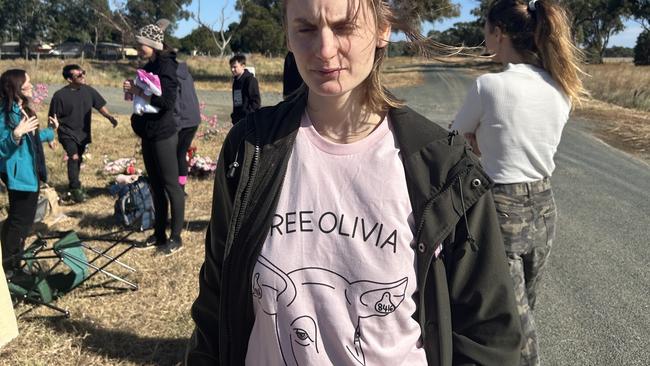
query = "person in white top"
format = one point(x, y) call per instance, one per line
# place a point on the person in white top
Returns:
point(514, 120)
point(347, 229)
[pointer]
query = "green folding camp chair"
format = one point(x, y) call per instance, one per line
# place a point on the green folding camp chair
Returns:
point(37, 284)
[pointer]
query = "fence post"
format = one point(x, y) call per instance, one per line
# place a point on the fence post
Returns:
point(82, 56)
point(38, 58)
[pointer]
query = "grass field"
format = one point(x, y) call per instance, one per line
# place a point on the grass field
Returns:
point(620, 83)
point(109, 327)
point(208, 72)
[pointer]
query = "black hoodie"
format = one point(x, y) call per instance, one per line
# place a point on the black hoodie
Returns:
point(245, 96)
point(187, 112)
point(161, 125)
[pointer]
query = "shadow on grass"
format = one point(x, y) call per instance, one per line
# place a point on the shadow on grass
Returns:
point(197, 225)
point(90, 220)
point(119, 344)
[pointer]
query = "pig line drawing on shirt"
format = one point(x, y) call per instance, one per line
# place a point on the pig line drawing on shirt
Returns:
point(299, 336)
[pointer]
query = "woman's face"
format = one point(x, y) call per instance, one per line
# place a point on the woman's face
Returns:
point(145, 51)
point(27, 88)
point(334, 43)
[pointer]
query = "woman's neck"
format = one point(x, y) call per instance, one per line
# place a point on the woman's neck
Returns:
point(342, 119)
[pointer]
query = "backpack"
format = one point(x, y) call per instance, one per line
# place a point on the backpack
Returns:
point(134, 205)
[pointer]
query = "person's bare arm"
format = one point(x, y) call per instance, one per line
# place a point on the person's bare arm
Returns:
point(104, 112)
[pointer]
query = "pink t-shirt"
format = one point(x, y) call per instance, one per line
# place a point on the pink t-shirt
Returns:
point(335, 279)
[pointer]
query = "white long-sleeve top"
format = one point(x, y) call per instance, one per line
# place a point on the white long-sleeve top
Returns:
point(517, 116)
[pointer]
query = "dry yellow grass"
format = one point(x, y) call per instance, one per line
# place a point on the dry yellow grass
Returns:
point(210, 73)
point(144, 327)
point(620, 83)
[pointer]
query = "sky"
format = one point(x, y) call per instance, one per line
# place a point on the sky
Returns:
point(211, 12)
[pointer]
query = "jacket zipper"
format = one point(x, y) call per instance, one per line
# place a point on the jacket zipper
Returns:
point(418, 233)
point(247, 188)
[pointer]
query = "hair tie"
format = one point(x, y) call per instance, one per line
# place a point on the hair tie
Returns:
point(531, 5)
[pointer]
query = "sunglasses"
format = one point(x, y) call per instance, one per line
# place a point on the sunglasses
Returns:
point(79, 75)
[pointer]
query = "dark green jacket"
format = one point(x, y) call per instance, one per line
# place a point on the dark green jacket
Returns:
point(466, 306)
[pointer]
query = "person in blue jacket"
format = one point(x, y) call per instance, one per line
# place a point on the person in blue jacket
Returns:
point(22, 161)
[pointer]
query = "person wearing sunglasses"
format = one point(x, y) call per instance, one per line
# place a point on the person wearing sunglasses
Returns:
point(72, 105)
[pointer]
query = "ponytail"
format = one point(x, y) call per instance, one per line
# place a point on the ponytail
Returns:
point(540, 31)
point(558, 54)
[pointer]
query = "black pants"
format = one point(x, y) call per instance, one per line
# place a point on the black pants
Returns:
point(22, 209)
point(185, 137)
point(162, 168)
point(72, 149)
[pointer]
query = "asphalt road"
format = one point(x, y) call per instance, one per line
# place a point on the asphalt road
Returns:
point(594, 305)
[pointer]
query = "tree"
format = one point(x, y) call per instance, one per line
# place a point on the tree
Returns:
point(142, 12)
point(618, 51)
point(642, 49)
point(461, 34)
point(426, 10)
point(595, 21)
point(640, 10)
point(218, 36)
point(27, 21)
point(201, 40)
point(260, 28)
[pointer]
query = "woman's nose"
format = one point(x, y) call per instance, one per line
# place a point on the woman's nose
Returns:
point(327, 44)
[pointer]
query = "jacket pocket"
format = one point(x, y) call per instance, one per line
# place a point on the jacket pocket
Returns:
point(23, 174)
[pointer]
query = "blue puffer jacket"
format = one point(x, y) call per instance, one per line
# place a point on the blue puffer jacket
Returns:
point(18, 160)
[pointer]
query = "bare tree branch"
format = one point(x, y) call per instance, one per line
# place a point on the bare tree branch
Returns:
point(222, 20)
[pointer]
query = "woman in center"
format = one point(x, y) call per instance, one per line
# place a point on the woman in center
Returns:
point(346, 228)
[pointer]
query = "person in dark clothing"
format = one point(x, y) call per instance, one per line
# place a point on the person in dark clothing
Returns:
point(73, 105)
point(188, 117)
point(22, 161)
point(245, 90)
point(159, 138)
point(291, 79)
point(346, 228)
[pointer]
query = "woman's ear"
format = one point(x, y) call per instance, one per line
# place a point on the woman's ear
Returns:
point(383, 37)
point(286, 37)
point(498, 34)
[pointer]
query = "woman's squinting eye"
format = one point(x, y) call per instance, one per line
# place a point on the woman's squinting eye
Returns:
point(345, 28)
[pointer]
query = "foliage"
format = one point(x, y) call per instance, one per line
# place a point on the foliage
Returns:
point(640, 10)
point(594, 22)
point(425, 10)
point(201, 40)
point(618, 51)
point(461, 34)
point(142, 12)
point(25, 21)
point(642, 49)
point(260, 29)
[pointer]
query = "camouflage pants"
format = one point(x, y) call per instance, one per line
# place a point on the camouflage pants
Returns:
point(527, 216)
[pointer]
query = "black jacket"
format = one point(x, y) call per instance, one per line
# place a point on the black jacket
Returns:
point(251, 100)
point(161, 125)
point(466, 306)
point(187, 112)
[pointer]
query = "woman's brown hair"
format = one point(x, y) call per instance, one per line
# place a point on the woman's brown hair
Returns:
point(11, 84)
point(398, 17)
point(540, 31)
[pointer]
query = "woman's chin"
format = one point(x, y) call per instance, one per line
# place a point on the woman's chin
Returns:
point(329, 89)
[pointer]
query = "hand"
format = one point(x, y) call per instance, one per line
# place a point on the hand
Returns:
point(26, 125)
point(471, 138)
point(54, 122)
point(53, 144)
point(113, 120)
